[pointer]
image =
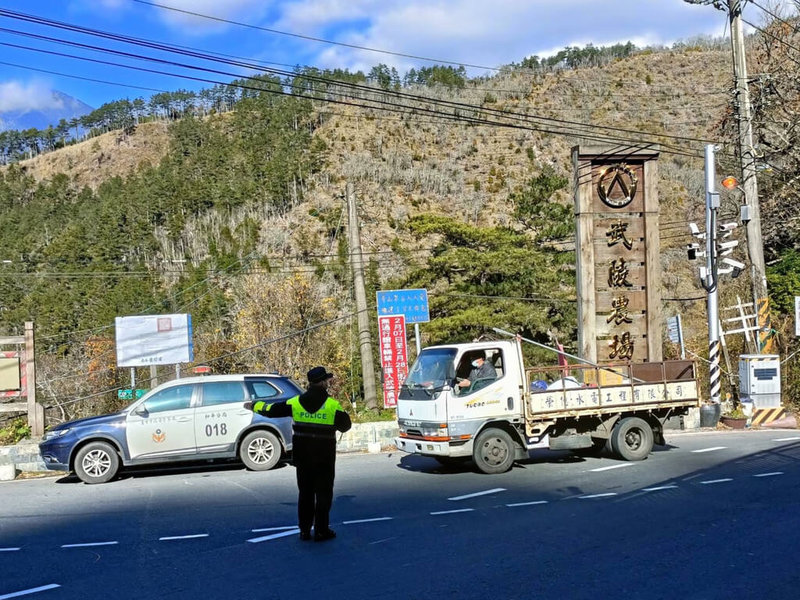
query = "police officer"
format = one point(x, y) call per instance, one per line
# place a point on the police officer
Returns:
point(316, 419)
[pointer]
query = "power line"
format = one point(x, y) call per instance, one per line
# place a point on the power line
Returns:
point(397, 94)
point(626, 144)
point(312, 38)
point(115, 83)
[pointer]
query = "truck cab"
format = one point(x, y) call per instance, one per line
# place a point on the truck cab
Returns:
point(447, 400)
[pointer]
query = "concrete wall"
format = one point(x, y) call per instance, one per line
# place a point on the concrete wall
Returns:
point(362, 435)
point(22, 457)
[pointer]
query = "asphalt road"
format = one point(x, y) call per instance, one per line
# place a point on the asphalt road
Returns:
point(712, 515)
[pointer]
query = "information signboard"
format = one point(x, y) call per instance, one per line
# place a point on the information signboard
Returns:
point(394, 358)
point(154, 340)
point(413, 304)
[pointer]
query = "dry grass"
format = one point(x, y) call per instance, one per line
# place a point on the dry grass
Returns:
point(112, 154)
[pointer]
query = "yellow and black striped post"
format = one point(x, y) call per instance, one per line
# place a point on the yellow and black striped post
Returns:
point(714, 371)
point(765, 416)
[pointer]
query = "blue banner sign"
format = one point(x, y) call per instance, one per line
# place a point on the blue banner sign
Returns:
point(413, 304)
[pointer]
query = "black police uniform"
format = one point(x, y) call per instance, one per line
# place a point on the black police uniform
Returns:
point(316, 419)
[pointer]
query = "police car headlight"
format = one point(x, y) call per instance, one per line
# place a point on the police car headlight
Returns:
point(51, 435)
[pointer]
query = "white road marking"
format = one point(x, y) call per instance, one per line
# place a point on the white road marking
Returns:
point(709, 449)
point(716, 481)
point(283, 528)
point(769, 474)
point(182, 537)
point(274, 536)
point(789, 439)
point(383, 540)
point(9, 549)
point(619, 466)
point(41, 588)
point(465, 496)
point(659, 488)
point(598, 495)
point(528, 503)
point(367, 520)
point(450, 512)
point(89, 545)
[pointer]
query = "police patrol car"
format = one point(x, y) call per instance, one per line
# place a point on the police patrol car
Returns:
point(185, 419)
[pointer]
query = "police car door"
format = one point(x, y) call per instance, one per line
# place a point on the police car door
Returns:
point(162, 424)
point(220, 416)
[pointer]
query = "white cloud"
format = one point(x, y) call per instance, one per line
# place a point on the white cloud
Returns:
point(248, 11)
point(486, 33)
point(33, 95)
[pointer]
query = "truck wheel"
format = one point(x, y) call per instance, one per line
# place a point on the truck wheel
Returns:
point(632, 439)
point(493, 451)
point(96, 462)
point(260, 450)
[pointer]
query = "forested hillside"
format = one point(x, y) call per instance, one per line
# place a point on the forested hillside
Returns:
point(228, 204)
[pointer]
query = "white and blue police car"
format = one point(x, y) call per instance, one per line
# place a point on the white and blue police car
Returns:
point(195, 418)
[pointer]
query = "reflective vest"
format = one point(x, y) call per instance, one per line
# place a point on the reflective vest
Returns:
point(316, 424)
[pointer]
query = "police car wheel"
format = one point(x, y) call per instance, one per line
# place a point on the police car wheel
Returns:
point(96, 462)
point(260, 450)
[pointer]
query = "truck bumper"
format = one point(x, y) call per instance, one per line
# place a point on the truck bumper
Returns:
point(427, 448)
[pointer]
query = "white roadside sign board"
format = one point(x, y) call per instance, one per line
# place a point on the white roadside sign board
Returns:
point(154, 340)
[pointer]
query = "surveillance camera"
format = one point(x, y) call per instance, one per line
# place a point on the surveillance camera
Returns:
point(694, 229)
point(728, 245)
point(744, 215)
point(734, 263)
point(728, 226)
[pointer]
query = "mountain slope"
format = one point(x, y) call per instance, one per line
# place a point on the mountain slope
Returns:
point(62, 107)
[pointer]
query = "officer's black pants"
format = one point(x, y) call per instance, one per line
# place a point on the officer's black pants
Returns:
point(315, 474)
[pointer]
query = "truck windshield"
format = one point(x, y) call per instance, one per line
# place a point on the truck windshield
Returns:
point(432, 369)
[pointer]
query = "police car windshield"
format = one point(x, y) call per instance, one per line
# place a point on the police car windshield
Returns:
point(432, 369)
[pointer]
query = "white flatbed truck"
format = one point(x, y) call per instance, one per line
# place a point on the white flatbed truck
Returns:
point(497, 420)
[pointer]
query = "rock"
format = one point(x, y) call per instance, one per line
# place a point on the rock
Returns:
point(8, 472)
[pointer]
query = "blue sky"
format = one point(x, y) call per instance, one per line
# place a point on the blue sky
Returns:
point(479, 32)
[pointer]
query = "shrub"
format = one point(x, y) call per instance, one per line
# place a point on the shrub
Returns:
point(18, 429)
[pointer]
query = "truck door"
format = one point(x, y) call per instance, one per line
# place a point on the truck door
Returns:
point(485, 385)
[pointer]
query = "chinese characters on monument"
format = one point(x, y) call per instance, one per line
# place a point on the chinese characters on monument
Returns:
point(616, 206)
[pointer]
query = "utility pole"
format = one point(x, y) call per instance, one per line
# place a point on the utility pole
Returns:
point(711, 272)
point(751, 214)
point(711, 278)
point(364, 335)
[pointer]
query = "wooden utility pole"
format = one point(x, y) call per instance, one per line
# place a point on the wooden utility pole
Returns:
point(364, 335)
point(35, 410)
point(751, 215)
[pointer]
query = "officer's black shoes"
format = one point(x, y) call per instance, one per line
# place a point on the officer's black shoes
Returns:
point(305, 535)
point(321, 536)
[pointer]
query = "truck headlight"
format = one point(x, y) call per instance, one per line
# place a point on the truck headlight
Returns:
point(435, 430)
